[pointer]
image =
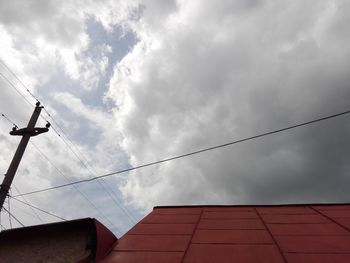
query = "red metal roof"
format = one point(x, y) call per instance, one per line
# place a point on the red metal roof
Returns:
point(241, 234)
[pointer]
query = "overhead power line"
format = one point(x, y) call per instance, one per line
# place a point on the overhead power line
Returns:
point(9, 212)
point(12, 85)
point(1, 226)
point(84, 196)
point(190, 153)
point(69, 144)
point(32, 95)
point(19, 80)
point(39, 209)
point(9, 120)
point(108, 190)
point(19, 222)
point(27, 203)
point(16, 89)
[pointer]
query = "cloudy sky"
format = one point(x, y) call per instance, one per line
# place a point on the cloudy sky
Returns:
point(131, 82)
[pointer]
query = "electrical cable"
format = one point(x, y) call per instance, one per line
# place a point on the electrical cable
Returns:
point(39, 209)
point(75, 150)
point(17, 90)
point(191, 153)
point(65, 140)
point(54, 121)
point(103, 184)
point(9, 212)
point(25, 201)
point(20, 93)
point(75, 187)
point(114, 197)
point(9, 120)
point(30, 93)
point(14, 217)
point(19, 80)
point(23, 209)
point(1, 226)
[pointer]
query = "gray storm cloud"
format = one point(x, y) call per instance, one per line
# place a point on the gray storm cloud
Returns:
point(209, 73)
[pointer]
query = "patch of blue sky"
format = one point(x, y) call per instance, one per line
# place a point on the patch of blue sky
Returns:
point(59, 82)
point(121, 43)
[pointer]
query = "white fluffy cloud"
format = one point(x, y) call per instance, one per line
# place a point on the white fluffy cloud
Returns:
point(41, 37)
point(47, 44)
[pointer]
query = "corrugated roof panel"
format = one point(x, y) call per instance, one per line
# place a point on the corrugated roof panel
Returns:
point(314, 244)
point(153, 243)
point(337, 213)
point(331, 207)
point(162, 229)
point(345, 222)
point(307, 229)
point(231, 224)
point(295, 219)
point(177, 211)
point(318, 258)
point(144, 257)
point(232, 237)
point(170, 219)
point(229, 215)
point(286, 210)
point(208, 253)
point(228, 209)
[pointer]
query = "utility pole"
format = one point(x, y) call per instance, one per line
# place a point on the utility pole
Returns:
point(26, 133)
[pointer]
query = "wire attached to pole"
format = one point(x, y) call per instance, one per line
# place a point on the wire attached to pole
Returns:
point(19, 222)
point(25, 201)
point(9, 120)
point(9, 211)
point(39, 209)
point(190, 153)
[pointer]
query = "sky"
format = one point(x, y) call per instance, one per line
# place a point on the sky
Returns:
point(132, 82)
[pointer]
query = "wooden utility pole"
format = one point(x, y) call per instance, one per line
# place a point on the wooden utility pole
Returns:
point(26, 133)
